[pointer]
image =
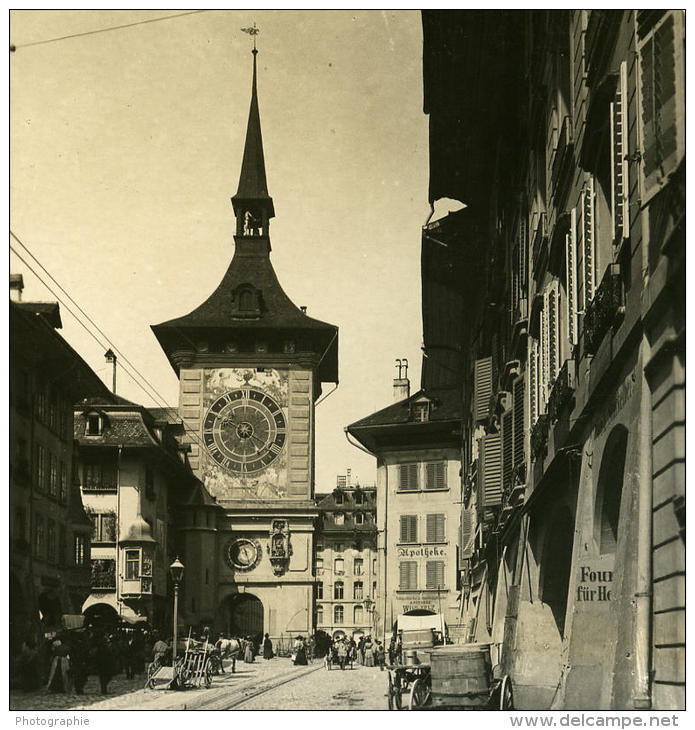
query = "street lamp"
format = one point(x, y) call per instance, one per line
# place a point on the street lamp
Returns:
point(176, 573)
point(368, 606)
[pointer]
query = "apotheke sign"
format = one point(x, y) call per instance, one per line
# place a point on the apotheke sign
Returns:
point(422, 552)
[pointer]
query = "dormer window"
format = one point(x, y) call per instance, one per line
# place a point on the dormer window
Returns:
point(338, 497)
point(359, 518)
point(247, 301)
point(421, 412)
point(95, 424)
point(339, 518)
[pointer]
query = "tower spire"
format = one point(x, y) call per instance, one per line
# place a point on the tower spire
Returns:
point(252, 204)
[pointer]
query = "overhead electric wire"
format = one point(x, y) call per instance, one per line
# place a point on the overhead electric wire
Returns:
point(14, 47)
point(147, 388)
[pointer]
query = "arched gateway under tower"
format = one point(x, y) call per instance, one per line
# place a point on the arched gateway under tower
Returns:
point(250, 365)
point(242, 615)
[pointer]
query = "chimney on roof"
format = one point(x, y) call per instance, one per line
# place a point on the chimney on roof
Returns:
point(16, 287)
point(110, 356)
point(303, 308)
point(348, 480)
point(401, 384)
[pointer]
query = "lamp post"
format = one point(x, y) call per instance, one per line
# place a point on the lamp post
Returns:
point(368, 606)
point(176, 572)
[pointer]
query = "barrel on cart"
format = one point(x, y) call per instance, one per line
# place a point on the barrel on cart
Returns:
point(463, 677)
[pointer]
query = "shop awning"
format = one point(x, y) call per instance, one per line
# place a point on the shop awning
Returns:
point(417, 623)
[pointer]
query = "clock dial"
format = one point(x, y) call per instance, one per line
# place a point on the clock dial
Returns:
point(244, 430)
point(243, 554)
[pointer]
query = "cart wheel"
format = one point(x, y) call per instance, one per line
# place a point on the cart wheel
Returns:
point(506, 694)
point(420, 693)
point(394, 695)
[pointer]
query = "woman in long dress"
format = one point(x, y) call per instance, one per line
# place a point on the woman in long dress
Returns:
point(267, 647)
point(248, 651)
point(368, 653)
point(299, 651)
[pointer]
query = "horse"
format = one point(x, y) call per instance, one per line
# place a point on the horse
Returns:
point(229, 649)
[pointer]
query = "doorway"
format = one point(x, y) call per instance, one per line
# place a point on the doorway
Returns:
point(242, 615)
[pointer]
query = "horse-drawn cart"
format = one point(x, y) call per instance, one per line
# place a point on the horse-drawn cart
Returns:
point(454, 677)
point(194, 669)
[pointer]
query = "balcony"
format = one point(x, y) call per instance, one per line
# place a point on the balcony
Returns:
point(103, 574)
point(540, 240)
point(604, 310)
point(563, 388)
point(539, 437)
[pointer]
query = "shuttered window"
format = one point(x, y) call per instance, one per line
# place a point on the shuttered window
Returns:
point(571, 278)
point(408, 575)
point(553, 331)
point(523, 252)
point(408, 477)
point(588, 243)
point(435, 531)
point(620, 213)
point(507, 447)
point(533, 382)
point(490, 470)
point(519, 420)
point(544, 361)
point(434, 570)
point(467, 533)
point(482, 388)
point(435, 475)
point(662, 75)
point(408, 528)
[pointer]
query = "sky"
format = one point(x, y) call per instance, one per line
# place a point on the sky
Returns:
point(126, 146)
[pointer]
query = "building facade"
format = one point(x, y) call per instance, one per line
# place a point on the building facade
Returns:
point(417, 445)
point(345, 562)
point(137, 488)
point(250, 365)
point(49, 529)
point(563, 133)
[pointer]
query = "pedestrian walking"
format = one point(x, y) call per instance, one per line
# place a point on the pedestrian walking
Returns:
point(342, 650)
point(59, 674)
point(267, 647)
point(380, 655)
point(248, 651)
point(299, 651)
point(104, 662)
point(368, 653)
point(360, 650)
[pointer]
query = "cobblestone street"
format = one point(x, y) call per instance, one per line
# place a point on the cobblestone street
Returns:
point(361, 688)
point(314, 688)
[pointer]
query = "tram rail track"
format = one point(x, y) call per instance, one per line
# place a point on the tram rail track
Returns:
point(234, 699)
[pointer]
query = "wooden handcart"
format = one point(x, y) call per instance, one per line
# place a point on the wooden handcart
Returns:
point(193, 669)
point(455, 677)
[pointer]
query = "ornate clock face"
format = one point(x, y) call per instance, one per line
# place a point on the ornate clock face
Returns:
point(244, 430)
point(243, 554)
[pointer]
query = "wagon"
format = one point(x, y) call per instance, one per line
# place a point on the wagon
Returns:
point(193, 669)
point(455, 677)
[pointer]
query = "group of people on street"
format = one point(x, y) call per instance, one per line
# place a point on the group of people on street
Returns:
point(365, 651)
point(63, 661)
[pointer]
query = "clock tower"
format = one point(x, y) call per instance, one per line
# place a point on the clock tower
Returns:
point(250, 366)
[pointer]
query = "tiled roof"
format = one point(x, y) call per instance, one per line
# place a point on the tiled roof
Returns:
point(446, 406)
point(49, 310)
point(127, 430)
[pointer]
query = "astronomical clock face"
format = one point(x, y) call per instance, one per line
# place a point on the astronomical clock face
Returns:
point(243, 554)
point(244, 430)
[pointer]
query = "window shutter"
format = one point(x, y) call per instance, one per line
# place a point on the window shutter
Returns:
point(523, 252)
point(434, 574)
point(409, 528)
point(467, 527)
point(408, 477)
point(579, 253)
point(507, 447)
point(435, 475)
point(408, 575)
point(662, 76)
point(620, 212)
point(519, 432)
point(533, 382)
point(544, 359)
point(553, 332)
point(589, 233)
point(482, 388)
point(403, 580)
point(571, 275)
point(490, 469)
point(435, 528)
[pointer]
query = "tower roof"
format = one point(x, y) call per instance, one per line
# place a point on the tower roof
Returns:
point(252, 180)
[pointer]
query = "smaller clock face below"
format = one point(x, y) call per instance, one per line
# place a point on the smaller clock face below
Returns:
point(243, 554)
point(244, 430)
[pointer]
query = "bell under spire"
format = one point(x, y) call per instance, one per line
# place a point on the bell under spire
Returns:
point(253, 206)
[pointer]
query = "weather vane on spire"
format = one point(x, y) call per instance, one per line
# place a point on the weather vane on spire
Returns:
point(252, 32)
